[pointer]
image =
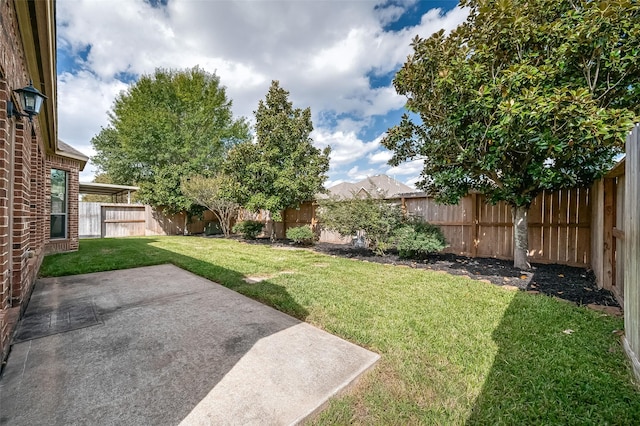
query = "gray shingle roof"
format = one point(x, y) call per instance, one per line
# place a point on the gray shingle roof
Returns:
point(68, 149)
point(375, 186)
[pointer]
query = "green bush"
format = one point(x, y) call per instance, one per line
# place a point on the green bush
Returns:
point(301, 235)
point(249, 229)
point(416, 239)
point(378, 218)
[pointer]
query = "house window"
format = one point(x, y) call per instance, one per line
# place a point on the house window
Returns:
point(59, 191)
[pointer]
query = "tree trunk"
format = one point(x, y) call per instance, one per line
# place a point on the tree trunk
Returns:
point(226, 228)
point(225, 221)
point(520, 237)
point(273, 231)
point(222, 220)
point(186, 221)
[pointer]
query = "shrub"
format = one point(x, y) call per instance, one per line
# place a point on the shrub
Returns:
point(249, 229)
point(378, 218)
point(416, 239)
point(301, 235)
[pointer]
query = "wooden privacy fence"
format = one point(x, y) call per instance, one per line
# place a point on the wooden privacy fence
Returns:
point(111, 220)
point(108, 220)
point(559, 226)
point(607, 230)
point(631, 228)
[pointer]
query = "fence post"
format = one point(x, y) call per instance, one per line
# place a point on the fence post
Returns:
point(283, 214)
point(103, 225)
point(474, 225)
point(632, 251)
point(607, 226)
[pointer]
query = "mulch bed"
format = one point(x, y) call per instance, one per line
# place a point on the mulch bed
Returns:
point(577, 285)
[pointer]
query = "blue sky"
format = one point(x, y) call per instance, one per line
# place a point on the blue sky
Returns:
point(337, 57)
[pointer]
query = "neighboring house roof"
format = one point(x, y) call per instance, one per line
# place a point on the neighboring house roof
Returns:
point(374, 186)
point(342, 190)
point(66, 150)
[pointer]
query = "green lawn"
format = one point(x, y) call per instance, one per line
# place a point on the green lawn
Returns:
point(454, 350)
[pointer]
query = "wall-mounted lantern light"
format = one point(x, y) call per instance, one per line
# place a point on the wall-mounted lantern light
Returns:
point(30, 100)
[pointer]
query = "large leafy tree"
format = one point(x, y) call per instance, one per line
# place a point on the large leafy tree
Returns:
point(165, 126)
point(281, 168)
point(525, 96)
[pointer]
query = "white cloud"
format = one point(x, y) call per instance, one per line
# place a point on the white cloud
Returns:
point(389, 14)
point(409, 168)
point(321, 52)
point(330, 183)
point(380, 157)
point(83, 102)
point(412, 181)
point(355, 174)
point(345, 147)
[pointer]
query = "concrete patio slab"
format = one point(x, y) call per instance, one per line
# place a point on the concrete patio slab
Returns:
point(161, 346)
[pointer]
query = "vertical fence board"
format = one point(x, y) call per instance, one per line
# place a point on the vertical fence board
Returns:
point(563, 220)
point(583, 246)
point(597, 235)
point(486, 236)
point(620, 244)
point(572, 230)
point(507, 252)
point(89, 223)
point(546, 227)
point(632, 249)
point(535, 228)
point(554, 200)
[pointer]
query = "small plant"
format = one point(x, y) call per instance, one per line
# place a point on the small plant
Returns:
point(249, 229)
point(301, 235)
point(416, 239)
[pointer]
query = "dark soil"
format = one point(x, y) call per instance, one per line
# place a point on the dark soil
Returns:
point(573, 284)
point(576, 285)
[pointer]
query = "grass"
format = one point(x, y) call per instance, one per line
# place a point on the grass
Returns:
point(454, 350)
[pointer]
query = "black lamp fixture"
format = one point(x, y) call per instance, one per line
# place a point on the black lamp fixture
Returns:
point(30, 100)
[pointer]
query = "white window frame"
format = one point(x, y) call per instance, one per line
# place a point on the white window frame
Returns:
point(65, 215)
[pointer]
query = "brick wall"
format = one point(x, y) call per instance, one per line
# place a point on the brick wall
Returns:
point(13, 75)
point(4, 222)
point(25, 165)
point(4, 200)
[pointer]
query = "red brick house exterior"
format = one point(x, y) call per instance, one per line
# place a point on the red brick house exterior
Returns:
point(29, 151)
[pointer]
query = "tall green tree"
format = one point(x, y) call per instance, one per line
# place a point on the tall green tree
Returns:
point(525, 96)
point(165, 126)
point(282, 168)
